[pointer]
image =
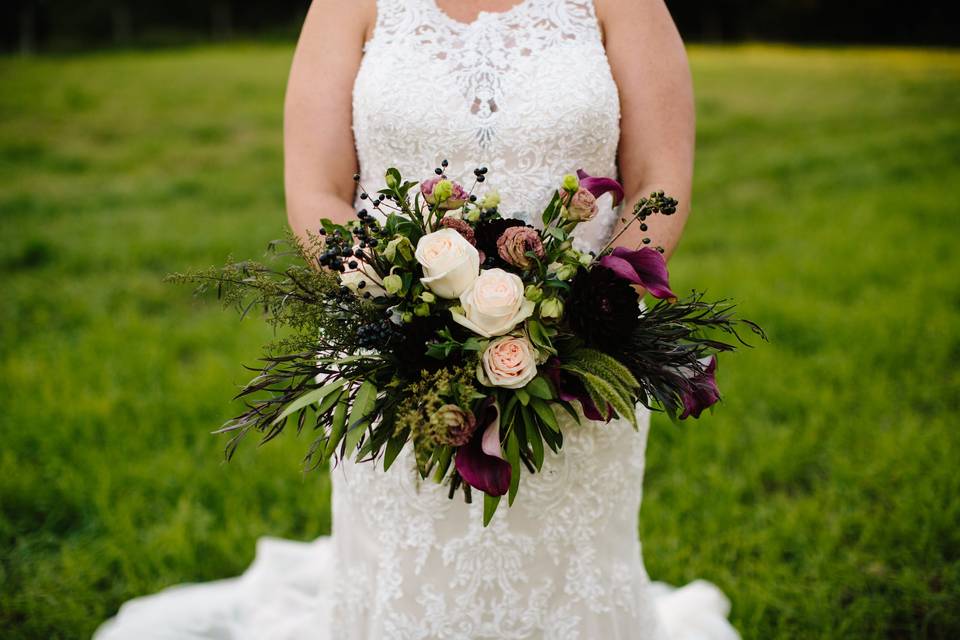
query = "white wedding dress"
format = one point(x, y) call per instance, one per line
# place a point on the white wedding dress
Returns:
point(529, 94)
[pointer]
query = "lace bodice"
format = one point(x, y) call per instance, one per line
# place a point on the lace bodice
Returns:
point(527, 92)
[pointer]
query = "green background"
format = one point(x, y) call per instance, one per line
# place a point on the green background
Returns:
point(823, 495)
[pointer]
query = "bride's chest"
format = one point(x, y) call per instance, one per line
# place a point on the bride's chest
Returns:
point(494, 83)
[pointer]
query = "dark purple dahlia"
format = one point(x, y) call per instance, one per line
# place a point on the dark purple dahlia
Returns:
point(602, 309)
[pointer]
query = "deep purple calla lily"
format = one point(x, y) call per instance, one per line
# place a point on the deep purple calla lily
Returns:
point(645, 267)
point(702, 392)
point(599, 186)
point(480, 462)
point(570, 389)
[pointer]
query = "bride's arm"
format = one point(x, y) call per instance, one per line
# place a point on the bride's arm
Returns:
point(657, 123)
point(319, 154)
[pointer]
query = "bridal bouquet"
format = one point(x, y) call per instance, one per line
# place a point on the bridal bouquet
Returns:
point(432, 321)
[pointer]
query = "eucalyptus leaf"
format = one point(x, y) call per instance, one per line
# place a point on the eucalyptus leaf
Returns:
point(309, 398)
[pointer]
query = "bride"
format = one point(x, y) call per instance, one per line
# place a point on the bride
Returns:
point(531, 89)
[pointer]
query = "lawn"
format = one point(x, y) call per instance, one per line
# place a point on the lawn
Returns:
point(823, 496)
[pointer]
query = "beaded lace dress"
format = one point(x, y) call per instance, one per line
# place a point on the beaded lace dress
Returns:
point(528, 93)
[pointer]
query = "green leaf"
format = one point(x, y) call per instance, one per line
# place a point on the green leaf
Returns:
point(568, 407)
point(327, 403)
point(393, 449)
point(540, 336)
point(539, 387)
point(309, 398)
point(551, 211)
point(443, 464)
point(522, 396)
point(545, 413)
point(475, 344)
point(337, 428)
point(489, 507)
point(557, 284)
point(363, 404)
point(557, 233)
point(513, 457)
point(536, 442)
point(392, 175)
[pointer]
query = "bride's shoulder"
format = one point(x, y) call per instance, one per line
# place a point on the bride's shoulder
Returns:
point(610, 12)
point(357, 17)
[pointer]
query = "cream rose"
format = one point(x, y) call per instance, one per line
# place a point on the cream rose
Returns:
point(508, 362)
point(494, 304)
point(450, 263)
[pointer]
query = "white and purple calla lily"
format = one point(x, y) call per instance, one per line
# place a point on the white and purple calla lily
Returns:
point(702, 391)
point(480, 462)
point(599, 186)
point(645, 267)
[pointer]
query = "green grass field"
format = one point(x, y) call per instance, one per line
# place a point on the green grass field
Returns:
point(823, 496)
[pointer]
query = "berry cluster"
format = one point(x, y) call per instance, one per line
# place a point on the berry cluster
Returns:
point(376, 335)
point(658, 202)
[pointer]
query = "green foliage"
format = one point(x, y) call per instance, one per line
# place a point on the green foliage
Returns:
point(821, 496)
point(417, 414)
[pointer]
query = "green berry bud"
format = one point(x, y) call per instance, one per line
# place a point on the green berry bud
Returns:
point(442, 191)
point(491, 200)
point(533, 293)
point(551, 309)
point(393, 284)
point(422, 310)
point(428, 297)
point(570, 183)
point(566, 272)
point(398, 250)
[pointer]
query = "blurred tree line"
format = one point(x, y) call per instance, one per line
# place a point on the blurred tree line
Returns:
point(44, 25)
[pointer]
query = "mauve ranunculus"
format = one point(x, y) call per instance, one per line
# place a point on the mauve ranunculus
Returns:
point(443, 192)
point(461, 227)
point(582, 206)
point(513, 244)
point(702, 391)
point(460, 424)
